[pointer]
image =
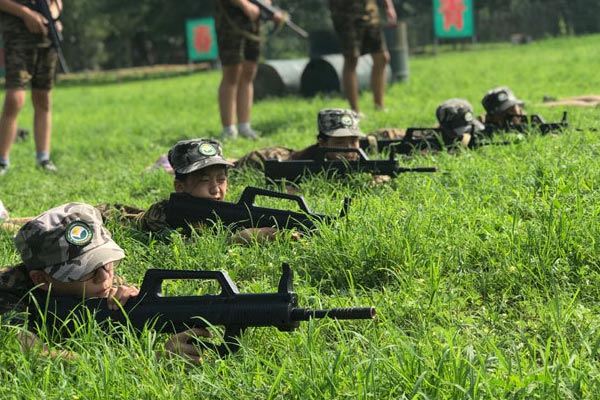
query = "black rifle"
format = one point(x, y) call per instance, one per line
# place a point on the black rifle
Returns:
point(229, 308)
point(267, 11)
point(293, 170)
point(429, 139)
point(526, 123)
point(184, 210)
point(54, 34)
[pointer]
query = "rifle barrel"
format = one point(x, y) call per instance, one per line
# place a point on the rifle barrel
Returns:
point(296, 28)
point(418, 169)
point(304, 314)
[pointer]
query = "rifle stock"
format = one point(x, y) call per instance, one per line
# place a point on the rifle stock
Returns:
point(54, 34)
point(293, 170)
point(170, 314)
point(184, 210)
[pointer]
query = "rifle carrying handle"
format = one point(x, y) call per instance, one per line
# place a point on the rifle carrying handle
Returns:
point(249, 196)
point(323, 151)
point(152, 283)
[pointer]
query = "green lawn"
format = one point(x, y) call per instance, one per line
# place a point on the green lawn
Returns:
point(485, 275)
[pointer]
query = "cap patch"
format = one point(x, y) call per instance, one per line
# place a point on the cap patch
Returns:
point(502, 96)
point(79, 233)
point(469, 116)
point(207, 149)
point(346, 120)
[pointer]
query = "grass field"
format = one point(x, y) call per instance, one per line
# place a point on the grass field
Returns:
point(485, 275)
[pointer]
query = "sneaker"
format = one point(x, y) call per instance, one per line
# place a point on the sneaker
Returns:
point(48, 165)
point(3, 169)
point(22, 135)
point(249, 134)
point(3, 212)
point(226, 134)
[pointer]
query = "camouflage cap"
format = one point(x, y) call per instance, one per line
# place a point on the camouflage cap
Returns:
point(499, 99)
point(192, 155)
point(67, 242)
point(338, 122)
point(457, 115)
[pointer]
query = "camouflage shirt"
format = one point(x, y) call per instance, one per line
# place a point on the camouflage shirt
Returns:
point(14, 29)
point(256, 158)
point(155, 218)
point(14, 288)
point(152, 220)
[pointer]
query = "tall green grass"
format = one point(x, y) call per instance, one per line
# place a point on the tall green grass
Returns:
point(484, 275)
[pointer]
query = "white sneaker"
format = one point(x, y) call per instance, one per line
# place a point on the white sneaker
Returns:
point(249, 134)
point(227, 134)
point(3, 212)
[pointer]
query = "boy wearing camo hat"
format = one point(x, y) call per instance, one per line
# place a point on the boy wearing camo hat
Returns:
point(66, 251)
point(502, 107)
point(458, 123)
point(201, 172)
point(337, 128)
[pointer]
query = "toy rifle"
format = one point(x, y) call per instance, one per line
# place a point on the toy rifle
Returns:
point(170, 314)
point(428, 139)
point(267, 11)
point(293, 170)
point(54, 34)
point(184, 210)
point(414, 139)
point(526, 123)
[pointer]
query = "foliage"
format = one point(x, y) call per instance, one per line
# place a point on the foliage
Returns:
point(125, 33)
point(485, 276)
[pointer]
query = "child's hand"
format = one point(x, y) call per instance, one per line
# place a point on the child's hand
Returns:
point(120, 295)
point(179, 344)
point(35, 22)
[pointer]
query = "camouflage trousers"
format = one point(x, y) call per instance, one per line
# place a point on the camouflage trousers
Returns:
point(238, 38)
point(357, 25)
point(27, 63)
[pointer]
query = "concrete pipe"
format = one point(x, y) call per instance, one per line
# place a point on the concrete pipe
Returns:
point(276, 78)
point(324, 74)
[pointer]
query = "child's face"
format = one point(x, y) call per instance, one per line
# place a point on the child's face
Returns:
point(349, 142)
point(208, 183)
point(95, 284)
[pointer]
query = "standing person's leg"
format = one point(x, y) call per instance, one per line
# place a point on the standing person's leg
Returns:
point(344, 16)
point(42, 127)
point(43, 79)
point(350, 81)
point(13, 103)
point(228, 93)
point(378, 77)
point(245, 98)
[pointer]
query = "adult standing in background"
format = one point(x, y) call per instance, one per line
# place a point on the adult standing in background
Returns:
point(30, 60)
point(358, 27)
point(238, 36)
